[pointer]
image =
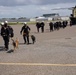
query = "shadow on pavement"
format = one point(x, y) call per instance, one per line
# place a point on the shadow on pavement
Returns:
point(10, 51)
point(25, 44)
point(2, 48)
point(21, 43)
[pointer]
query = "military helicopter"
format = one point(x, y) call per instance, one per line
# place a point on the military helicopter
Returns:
point(72, 16)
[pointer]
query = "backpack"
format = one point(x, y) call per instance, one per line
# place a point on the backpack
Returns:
point(11, 34)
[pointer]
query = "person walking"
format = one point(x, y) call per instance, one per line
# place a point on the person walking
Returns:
point(25, 29)
point(42, 26)
point(51, 26)
point(5, 34)
point(38, 26)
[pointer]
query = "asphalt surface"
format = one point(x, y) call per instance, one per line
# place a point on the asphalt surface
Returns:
point(54, 53)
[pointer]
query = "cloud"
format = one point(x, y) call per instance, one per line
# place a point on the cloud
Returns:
point(32, 2)
point(35, 8)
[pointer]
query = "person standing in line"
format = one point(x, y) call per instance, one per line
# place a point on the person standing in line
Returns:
point(38, 26)
point(51, 26)
point(25, 29)
point(42, 26)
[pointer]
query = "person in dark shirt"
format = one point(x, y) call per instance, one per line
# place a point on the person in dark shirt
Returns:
point(51, 26)
point(42, 26)
point(38, 26)
point(25, 29)
point(5, 34)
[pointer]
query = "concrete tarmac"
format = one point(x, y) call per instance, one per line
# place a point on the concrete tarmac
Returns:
point(54, 53)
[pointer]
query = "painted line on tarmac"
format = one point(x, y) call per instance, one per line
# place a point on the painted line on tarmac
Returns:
point(37, 64)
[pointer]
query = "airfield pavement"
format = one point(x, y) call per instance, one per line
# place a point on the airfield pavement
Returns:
point(54, 53)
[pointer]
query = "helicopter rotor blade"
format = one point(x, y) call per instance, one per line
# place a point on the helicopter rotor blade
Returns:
point(62, 8)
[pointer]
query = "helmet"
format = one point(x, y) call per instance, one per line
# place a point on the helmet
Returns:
point(2, 23)
point(6, 21)
point(25, 22)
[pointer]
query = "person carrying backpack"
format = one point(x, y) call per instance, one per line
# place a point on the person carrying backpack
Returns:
point(5, 33)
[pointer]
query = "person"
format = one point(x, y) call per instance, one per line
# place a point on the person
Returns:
point(51, 26)
point(5, 35)
point(38, 26)
point(25, 29)
point(64, 24)
point(42, 26)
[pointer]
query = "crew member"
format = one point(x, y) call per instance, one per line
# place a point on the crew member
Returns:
point(25, 29)
point(42, 26)
point(38, 26)
point(5, 34)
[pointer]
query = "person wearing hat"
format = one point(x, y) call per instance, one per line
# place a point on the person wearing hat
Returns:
point(25, 30)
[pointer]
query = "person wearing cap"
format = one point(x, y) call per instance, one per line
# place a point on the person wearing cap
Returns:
point(25, 30)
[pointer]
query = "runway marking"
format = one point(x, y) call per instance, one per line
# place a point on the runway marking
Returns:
point(37, 64)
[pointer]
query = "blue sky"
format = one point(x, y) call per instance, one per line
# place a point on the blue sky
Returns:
point(33, 8)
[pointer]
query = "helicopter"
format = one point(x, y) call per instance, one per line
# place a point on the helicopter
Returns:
point(72, 16)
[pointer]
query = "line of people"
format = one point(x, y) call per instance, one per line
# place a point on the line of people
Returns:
point(7, 31)
point(52, 26)
point(57, 25)
point(40, 25)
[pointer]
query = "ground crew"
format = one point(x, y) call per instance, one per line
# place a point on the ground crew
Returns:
point(5, 35)
point(42, 26)
point(64, 24)
point(51, 26)
point(25, 29)
point(38, 26)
